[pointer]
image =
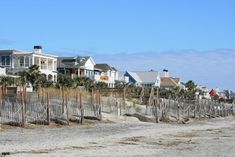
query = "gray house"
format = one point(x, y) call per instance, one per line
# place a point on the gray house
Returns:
point(76, 66)
point(143, 78)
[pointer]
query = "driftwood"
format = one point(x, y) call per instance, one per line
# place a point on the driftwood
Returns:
point(61, 121)
point(142, 118)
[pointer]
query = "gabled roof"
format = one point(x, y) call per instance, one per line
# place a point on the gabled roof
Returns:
point(177, 80)
point(104, 67)
point(169, 81)
point(134, 76)
point(114, 69)
point(72, 62)
point(213, 93)
point(144, 76)
point(81, 60)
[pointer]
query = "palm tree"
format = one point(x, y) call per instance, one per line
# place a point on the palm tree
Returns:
point(43, 82)
point(6, 80)
point(100, 85)
point(22, 78)
point(84, 81)
point(64, 81)
point(33, 75)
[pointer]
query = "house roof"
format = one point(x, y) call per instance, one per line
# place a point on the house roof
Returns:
point(177, 80)
point(19, 52)
point(213, 93)
point(144, 76)
point(169, 82)
point(64, 64)
point(81, 60)
point(72, 62)
point(104, 67)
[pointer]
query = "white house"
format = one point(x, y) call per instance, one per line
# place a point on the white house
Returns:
point(15, 61)
point(143, 78)
point(76, 66)
point(106, 73)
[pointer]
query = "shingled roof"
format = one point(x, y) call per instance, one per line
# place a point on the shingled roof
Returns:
point(169, 82)
point(104, 67)
point(72, 62)
point(144, 76)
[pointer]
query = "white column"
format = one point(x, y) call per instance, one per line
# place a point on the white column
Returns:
point(53, 65)
point(47, 64)
point(32, 60)
point(12, 61)
point(24, 62)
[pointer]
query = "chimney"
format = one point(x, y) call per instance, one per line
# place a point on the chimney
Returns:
point(165, 73)
point(37, 49)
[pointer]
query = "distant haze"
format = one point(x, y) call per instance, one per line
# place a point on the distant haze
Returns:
point(209, 68)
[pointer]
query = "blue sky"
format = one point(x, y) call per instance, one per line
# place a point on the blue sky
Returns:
point(194, 39)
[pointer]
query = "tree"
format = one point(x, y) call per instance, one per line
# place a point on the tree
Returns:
point(84, 81)
point(6, 80)
point(227, 94)
point(190, 85)
point(43, 82)
point(64, 81)
point(191, 90)
point(22, 78)
point(100, 85)
point(33, 75)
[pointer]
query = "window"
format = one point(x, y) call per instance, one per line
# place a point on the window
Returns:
point(16, 61)
point(55, 65)
point(5, 60)
point(36, 61)
point(21, 61)
point(43, 63)
point(27, 61)
point(50, 64)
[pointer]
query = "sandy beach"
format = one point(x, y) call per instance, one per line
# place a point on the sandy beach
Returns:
point(123, 137)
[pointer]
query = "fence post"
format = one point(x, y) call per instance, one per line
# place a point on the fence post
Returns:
point(1, 95)
point(48, 110)
point(100, 111)
point(67, 108)
point(233, 107)
point(156, 114)
point(22, 109)
point(63, 96)
point(178, 112)
point(25, 98)
point(199, 107)
point(124, 97)
point(158, 104)
point(92, 98)
point(81, 107)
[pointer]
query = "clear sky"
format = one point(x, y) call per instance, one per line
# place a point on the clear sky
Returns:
point(112, 30)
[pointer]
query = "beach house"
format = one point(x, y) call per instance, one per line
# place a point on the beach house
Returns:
point(106, 73)
point(143, 78)
point(15, 61)
point(80, 66)
point(168, 82)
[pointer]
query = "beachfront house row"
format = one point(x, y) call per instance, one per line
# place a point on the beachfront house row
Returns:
point(81, 66)
point(145, 79)
point(106, 73)
point(15, 61)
